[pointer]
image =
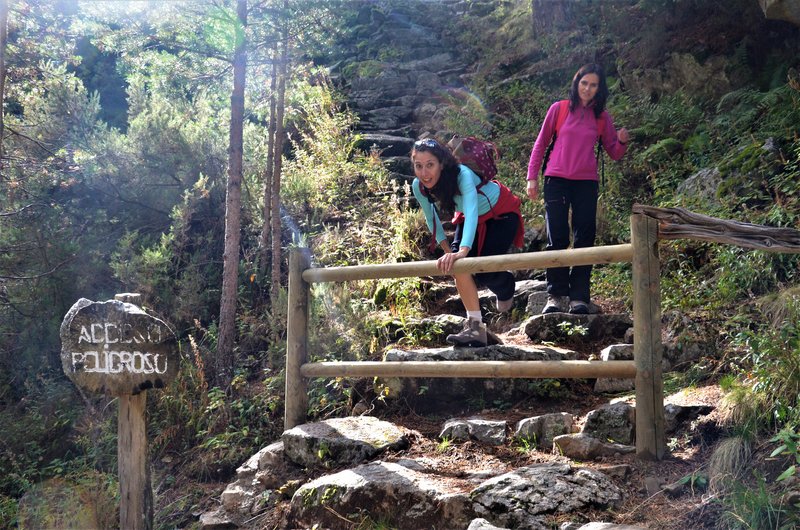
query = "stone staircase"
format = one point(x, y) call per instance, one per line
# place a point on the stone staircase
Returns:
point(336, 472)
point(399, 85)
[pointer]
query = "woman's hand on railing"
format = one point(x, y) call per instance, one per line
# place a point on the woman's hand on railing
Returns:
point(446, 262)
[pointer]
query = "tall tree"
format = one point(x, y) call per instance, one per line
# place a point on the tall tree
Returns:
point(3, 42)
point(276, 178)
point(269, 170)
point(233, 204)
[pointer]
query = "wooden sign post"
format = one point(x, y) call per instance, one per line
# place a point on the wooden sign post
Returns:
point(117, 348)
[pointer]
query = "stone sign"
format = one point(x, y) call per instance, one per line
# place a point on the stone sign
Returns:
point(116, 348)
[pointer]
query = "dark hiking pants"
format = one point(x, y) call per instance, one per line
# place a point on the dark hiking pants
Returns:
point(500, 234)
point(559, 196)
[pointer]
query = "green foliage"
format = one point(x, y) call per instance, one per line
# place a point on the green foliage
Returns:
point(752, 505)
point(697, 482)
point(547, 388)
point(770, 370)
point(8, 512)
point(789, 441)
point(216, 428)
point(745, 273)
point(614, 280)
point(85, 499)
point(526, 445)
point(571, 329)
point(326, 170)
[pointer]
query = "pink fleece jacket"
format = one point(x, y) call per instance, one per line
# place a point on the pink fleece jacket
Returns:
point(573, 155)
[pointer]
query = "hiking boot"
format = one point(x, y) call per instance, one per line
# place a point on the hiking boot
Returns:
point(555, 304)
point(578, 307)
point(473, 335)
point(504, 305)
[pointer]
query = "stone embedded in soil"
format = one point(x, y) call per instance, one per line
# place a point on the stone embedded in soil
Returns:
point(441, 395)
point(483, 524)
point(541, 430)
point(484, 431)
point(584, 447)
point(551, 328)
point(615, 422)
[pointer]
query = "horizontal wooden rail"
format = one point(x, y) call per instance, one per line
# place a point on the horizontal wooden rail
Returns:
point(522, 261)
point(677, 223)
point(487, 369)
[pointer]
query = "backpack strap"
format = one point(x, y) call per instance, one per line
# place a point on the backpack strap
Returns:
point(561, 115)
point(601, 160)
point(426, 193)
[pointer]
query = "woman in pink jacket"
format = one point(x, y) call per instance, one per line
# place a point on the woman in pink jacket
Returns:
point(569, 134)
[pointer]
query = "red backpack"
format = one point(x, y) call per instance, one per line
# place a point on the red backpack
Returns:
point(478, 155)
point(561, 117)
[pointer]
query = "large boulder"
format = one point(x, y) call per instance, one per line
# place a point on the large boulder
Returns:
point(339, 441)
point(703, 184)
point(521, 498)
point(409, 498)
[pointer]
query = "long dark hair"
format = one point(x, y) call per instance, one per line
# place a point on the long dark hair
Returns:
point(600, 97)
point(446, 188)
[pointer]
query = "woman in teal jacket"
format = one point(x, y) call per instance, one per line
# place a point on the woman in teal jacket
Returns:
point(488, 221)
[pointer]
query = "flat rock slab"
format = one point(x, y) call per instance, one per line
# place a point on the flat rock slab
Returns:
point(385, 491)
point(485, 431)
point(552, 327)
point(340, 441)
point(521, 498)
point(455, 395)
point(584, 447)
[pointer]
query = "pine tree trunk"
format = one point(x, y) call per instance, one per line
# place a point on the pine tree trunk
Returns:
point(233, 201)
point(276, 187)
point(269, 170)
point(3, 42)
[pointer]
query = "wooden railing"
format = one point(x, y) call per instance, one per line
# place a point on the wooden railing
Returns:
point(648, 225)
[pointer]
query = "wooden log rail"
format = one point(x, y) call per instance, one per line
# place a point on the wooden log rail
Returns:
point(301, 276)
point(506, 262)
point(487, 369)
point(648, 226)
point(677, 223)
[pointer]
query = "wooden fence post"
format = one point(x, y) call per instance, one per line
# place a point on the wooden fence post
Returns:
point(647, 347)
point(296, 340)
point(136, 494)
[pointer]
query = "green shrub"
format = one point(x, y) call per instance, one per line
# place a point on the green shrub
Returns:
point(752, 505)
